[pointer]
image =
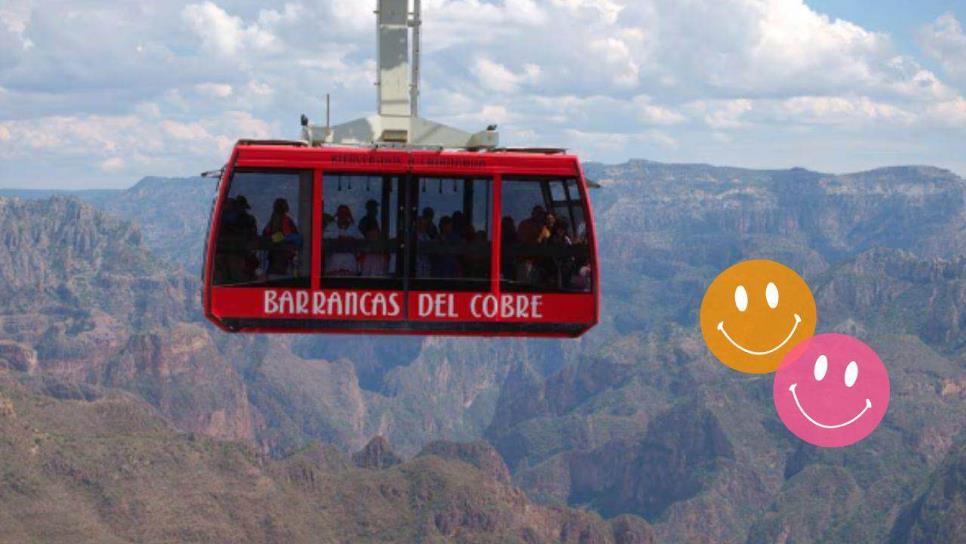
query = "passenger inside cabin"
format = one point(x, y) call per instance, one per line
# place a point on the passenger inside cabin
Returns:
point(582, 278)
point(508, 239)
point(424, 267)
point(286, 241)
point(447, 265)
point(562, 264)
point(459, 225)
point(340, 261)
point(237, 262)
point(428, 215)
point(531, 232)
point(371, 219)
point(561, 234)
point(247, 224)
point(549, 269)
point(476, 259)
point(374, 264)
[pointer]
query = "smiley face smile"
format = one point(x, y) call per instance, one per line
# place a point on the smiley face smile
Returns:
point(798, 321)
point(868, 406)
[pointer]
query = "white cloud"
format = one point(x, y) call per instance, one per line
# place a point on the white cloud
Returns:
point(259, 88)
point(822, 110)
point(214, 90)
point(193, 132)
point(615, 55)
point(497, 77)
point(109, 140)
point(597, 144)
point(78, 136)
point(945, 41)
point(951, 113)
point(226, 34)
point(652, 114)
point(687, 80)
point(353, 13)
point(291, 13)
point(607, 10)
point(526, 12)
point(115, 164)
point(12, 43)
point(723, 114)
point(148, 110)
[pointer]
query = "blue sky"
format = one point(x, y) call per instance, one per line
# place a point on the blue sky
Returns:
point(97, 93)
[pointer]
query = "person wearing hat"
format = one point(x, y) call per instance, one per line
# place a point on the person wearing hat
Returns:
point(341, 261)
point(236, 262)
point(532, 232)
point(247, 224)
point(371, 220)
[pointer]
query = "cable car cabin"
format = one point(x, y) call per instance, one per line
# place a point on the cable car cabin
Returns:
point(393, 241)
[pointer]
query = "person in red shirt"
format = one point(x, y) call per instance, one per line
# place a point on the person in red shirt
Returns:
point(284, 236)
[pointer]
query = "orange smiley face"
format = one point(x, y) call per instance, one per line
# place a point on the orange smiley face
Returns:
point(754, 313)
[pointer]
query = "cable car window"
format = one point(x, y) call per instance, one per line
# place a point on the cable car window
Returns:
point(453, 234)
point(361, 231)
point(265, 230)
point(544, 245)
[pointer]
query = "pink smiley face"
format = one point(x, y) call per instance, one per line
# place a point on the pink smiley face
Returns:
point(831, 390)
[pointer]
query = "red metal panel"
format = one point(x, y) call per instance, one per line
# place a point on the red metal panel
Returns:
point(377, 331)
point(592, 239)
point(317, 197)
point(399, 161)
point(496, 265)
point(214, 222)
point(425, 306)
point(262, 303)
point(440, 306)
point(332, 159)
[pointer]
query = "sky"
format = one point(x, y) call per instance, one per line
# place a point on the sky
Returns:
point(98, 94)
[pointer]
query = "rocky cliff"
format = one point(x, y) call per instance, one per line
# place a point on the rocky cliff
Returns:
point(108, 469)
point(636, 418)
point(85, 300)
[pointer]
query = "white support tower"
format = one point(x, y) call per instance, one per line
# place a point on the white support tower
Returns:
point(397, 120)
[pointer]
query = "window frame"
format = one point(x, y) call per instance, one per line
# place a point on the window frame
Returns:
point(363, 283)
point(409, 207)
point(305, 176)
point(459, 285)
point(575, 205)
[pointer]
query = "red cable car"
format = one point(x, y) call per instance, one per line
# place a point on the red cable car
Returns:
point(348, 240)
point(397, 225)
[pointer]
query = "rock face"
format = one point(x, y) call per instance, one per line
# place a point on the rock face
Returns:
point(79, 288)
point(939, 514)
point(62, 484)
point(635, 418)
point(312, 388)
point(17, 357)
point(648, 423)
point(173, 214)
point(181, 372)
point(479, 454)
point(376, 455)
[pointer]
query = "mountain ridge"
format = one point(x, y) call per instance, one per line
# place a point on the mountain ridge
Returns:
point(634, 418)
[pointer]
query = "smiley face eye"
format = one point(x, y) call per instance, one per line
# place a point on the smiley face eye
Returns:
point(821, 367)
point(771, 295)
point(741, 298)
point(851, 374)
